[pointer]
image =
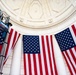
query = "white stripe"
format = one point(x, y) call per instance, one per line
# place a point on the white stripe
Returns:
point(69, 62)
point(16, 39)
point(47, 58)
point(32, 64)
point(51, 55)
point(27, 65)
point(70, 56)
point(73, 35)
point(37, 63)
point(10, 44)
point(42, 59)
point(74, 52)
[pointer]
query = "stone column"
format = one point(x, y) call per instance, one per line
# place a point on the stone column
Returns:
point(16, 61)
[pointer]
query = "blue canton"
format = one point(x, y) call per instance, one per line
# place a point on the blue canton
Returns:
point(3, 33)
point(31, 44)
point(2, 36)
point(65, 40)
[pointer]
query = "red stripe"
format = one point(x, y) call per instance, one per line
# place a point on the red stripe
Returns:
point(9, 38)
point(15, 34)
point(24, 64)
point(70, 60)
point(9, 41)
point(55, 68)
point(72, 54)
point(35, 66)
point(44, 55)
point(68, 64)
point(75, 48)
point(0, 48)
point(48, 47)
point(40, 60)
point(40, 65)
point(29, 62)
point(74, 29)
point(4, 62)
point(75, 58)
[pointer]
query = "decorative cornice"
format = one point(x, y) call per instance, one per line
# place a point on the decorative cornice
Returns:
point(45, 16)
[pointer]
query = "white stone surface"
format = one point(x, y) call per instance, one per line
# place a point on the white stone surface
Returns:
point(38, 13)
point(51, 17)
point(16, 61)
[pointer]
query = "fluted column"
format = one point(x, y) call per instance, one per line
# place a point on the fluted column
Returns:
point(16, 61)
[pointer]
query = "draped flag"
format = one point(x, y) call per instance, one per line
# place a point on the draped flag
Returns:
point(12, 39)
point(39, 56)
point(67, 43)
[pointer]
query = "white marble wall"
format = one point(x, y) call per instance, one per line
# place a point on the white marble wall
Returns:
point(7, 66)
point(26, 29)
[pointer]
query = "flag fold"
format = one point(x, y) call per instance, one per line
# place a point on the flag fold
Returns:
point(67, 43)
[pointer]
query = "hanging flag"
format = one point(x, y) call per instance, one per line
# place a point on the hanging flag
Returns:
point(12, 39)
point(39, 56)
point(67, 43)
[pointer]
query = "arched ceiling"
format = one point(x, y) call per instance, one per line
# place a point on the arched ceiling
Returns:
point(39, 13)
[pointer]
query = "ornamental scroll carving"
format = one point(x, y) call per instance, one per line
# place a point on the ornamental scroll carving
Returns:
point(39, 13)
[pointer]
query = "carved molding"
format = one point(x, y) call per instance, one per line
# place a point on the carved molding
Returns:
point(39, 13)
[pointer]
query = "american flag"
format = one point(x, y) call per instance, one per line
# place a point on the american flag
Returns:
point(12, 39)
point(39, 56)
point(67, 43)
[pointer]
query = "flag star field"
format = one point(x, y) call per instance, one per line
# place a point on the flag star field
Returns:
point(31, 44)
point(65, 39)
